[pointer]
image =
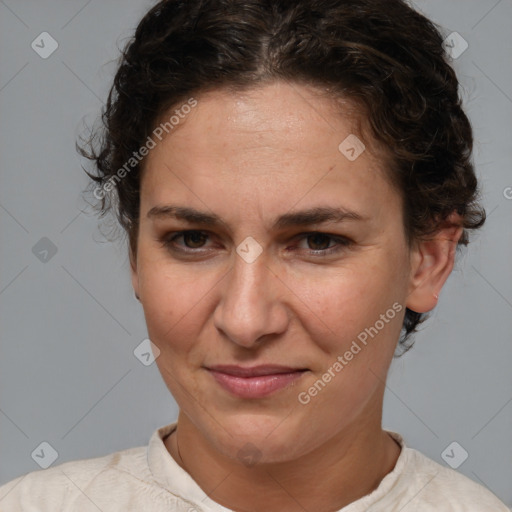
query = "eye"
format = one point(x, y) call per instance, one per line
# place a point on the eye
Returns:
point(320, 243)
point(192, 239)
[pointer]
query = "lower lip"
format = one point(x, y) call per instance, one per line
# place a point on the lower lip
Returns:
point(255, 387)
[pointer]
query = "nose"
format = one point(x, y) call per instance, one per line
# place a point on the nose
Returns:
point(251, 308)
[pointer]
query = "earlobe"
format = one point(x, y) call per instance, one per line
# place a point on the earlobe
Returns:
point(432, 261)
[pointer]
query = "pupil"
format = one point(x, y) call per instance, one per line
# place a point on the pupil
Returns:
point(321, 237)
point(196, 238)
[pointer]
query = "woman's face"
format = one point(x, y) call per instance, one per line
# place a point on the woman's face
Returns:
point(258, 287)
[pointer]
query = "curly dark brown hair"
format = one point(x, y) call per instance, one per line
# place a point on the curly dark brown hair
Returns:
point(383, 55)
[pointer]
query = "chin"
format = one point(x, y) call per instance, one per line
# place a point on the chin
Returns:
point(253, 439)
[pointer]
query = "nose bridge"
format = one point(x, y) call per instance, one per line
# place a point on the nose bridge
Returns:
point(248, 307)
point(246, 292)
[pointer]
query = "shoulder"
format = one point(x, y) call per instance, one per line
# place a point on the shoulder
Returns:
point(64, 484)
point(444, 489)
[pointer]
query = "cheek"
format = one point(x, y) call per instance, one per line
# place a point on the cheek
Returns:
point(174, 314)
point(164, 297)
point(176, 301)
point(338, 305)
point(160, 301)
point(354, 365)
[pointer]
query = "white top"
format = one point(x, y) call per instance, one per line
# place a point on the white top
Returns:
point(149, 479)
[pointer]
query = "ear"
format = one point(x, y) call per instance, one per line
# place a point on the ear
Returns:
point(432, 262)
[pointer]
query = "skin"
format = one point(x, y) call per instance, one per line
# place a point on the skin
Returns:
point(249, 158)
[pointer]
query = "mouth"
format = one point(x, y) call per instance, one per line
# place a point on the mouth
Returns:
point(256, 381)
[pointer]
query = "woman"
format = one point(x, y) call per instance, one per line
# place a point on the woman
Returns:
point(294, 179)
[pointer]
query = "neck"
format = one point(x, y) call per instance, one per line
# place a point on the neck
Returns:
point(345, 468)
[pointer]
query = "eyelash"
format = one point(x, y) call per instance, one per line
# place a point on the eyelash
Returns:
point(168, 242)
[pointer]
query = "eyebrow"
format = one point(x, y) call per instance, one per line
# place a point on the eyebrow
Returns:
point(316, 215)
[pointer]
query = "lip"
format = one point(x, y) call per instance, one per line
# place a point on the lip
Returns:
point(255, 381)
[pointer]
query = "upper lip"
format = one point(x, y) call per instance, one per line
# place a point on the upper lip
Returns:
point(253, 371)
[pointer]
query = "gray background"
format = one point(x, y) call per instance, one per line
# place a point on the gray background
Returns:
point(69, 327)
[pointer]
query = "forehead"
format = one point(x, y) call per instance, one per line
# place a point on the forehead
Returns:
point(278, 114)
point(276, 144)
